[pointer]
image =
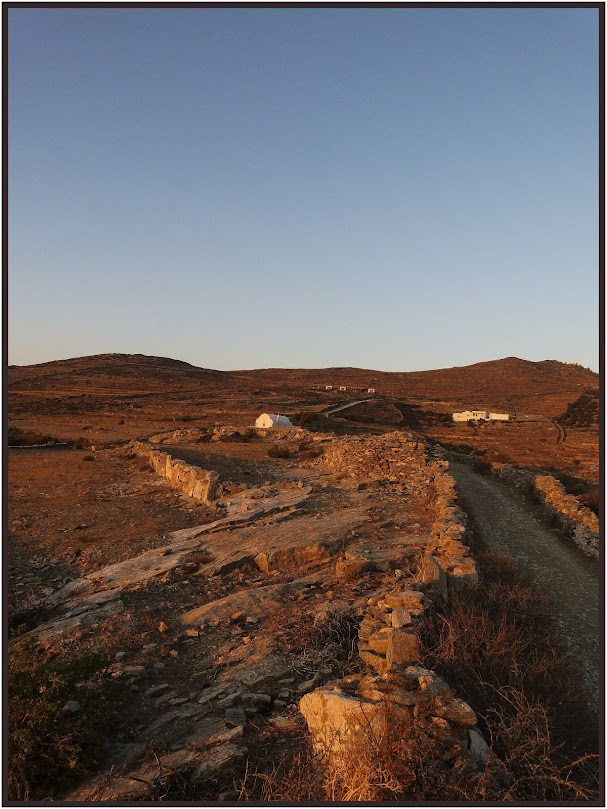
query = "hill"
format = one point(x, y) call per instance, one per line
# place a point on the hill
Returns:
point(114, 397)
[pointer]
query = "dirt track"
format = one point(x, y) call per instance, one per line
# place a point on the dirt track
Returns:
point(503, 519)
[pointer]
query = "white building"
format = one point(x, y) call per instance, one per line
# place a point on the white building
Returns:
point(480, 415)
point(268, 420)
point(471, 415)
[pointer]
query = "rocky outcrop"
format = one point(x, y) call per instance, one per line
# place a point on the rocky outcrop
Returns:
point(201, 484)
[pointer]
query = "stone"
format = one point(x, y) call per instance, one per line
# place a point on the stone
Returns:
point(215, 760)
point(455, 710)
point(479, 749)
point(71, 707)
point(257, 700)
point(433, 575)
point(376, 661)
point(403, 647)
point(155, 690)
point(378, 642)
point(400, 617)
point(227, 702)
point(351, 568)
point(235, 717)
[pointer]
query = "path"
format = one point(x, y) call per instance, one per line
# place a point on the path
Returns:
point(505, 522)
point(343, 407)
point(561, 435)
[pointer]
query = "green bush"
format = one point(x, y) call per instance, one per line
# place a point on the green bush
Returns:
point(49, 749)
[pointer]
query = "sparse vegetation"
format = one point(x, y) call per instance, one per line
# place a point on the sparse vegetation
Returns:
point(60, 711)
point(276, 451)
point(583, 412)
point(496, 643)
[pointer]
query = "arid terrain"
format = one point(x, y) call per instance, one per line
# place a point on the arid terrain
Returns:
point(236, 584)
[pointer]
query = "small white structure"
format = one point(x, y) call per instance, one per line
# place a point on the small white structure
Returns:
point(370, 390)
point(328, 387)
point(480, 415)
point(471, 415)
point(343, 388)
point(269, 420)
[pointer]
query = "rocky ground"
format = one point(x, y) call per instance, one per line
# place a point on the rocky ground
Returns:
point(285, 591)
point(219, 617)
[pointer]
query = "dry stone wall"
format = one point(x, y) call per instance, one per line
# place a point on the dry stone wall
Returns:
point(198, 483)
point(577, 520)
point(359, 710)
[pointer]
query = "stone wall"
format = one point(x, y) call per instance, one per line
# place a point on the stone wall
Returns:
point(198, 483)
point(576, 520)
point(359, 710)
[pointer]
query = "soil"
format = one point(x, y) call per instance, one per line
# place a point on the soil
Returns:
point(73, 511)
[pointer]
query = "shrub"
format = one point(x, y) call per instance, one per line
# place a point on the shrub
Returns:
point(48, 748)
point(276, 451)
point(25, 438)
point(496, 644)
point(592, 499)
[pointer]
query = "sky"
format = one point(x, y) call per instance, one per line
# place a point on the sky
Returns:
point(390, 188)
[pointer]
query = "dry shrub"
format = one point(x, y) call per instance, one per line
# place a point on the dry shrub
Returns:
point(400, 760)
point(592, 499)
point(276, 451)
point(48, 748)
point(496, 644)
point(327, 645)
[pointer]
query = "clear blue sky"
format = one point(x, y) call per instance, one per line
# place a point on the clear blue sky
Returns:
point(397, 189)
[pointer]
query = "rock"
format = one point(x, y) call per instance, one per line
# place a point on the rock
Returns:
point(403, 647)
point(192, 633)
point(215, 760)
point(479, 748)
point(455, 710)
point(433, 575)
point(351, 568)
point(341, 722)
point(257, 700)
point(155, 690)
point(378, 642)
point(376, 661)
point(307, 685)
point(400, 617)
point(71, 707)
point(227, 702)
point(120, 656)
point(235, 717)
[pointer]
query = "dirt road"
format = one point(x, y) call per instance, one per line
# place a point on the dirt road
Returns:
point(504, 520)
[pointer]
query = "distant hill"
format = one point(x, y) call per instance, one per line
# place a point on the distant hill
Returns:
point(511, 384)
point(110, 373)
